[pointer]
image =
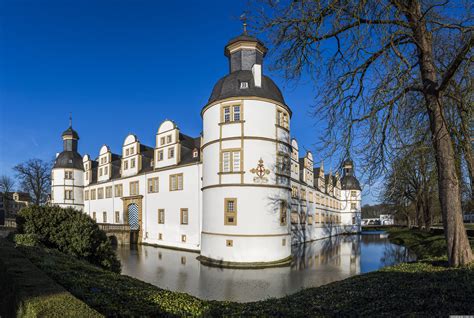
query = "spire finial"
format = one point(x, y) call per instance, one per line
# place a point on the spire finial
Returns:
point(243, 18)
point(70, 119)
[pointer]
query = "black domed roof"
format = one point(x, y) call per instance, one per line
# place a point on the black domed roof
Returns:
point(349, 182)
point(69, 159)
point(229, 86)
point(70, 132)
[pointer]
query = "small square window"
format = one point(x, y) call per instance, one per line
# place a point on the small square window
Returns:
point(183, 238)
point(244, 85)
point(229, 243)
point(160, 236)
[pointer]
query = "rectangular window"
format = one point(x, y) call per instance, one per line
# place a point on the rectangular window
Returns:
point(283, 208)
point(132, 150)
point(184, 216)
point(108, 192)
point(303, 194)
point(176, 182)
point(100, 193)
point(118, 190)
point(104, 217)
point(226, 111)
point(68, 174)
point(68, 195)
point(353, 206)
point(168, 139)
point(230, 211)
point(236, 161)
point(162, 141)
point(93, 194)
point(294, 217)
point(161, 216)
point(132, 163)
point(316, 218)
point(160, 155)
point(294, 191)
point(353, 194)
point(125, 165)
point(226, 161)
point(153, 185)
point(127, 152)
point(117, 217)
point(100, 172)
point(236, 111)
point(86, 195)
point(134, 188)
point(231, 161)
point(170, 153)
point(282, 119)
point(106, 171)
point(87, 175)
point(94, 216)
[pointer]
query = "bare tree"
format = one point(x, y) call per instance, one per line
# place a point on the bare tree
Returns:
point(369, 59)
point(35, 178)
point(7, 185)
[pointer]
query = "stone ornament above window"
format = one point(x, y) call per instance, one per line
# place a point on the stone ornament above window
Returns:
point(261, 172)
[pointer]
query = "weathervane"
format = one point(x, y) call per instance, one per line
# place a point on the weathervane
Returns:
point(243, 18)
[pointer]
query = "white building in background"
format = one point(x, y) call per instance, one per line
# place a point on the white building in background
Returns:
point(240, 193)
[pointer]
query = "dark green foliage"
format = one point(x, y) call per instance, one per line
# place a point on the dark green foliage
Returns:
point(69, 231)
point(410, 289)
point(26, 291)
point(26, 239)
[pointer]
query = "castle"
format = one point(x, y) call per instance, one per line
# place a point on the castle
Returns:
point(240, 193)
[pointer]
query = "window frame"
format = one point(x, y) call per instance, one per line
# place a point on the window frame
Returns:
point(153, 185)
point(176, 175)
point(228, 214)
point(161, 216)
point(132, 185)
point(182, 213)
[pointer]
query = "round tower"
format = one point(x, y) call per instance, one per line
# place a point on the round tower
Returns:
point(67, 175)
point(351, 194)
point(246, 154)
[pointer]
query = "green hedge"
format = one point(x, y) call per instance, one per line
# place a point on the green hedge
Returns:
point(69, 231)
point(26, 291)
point(414, 289)
point(26, 239)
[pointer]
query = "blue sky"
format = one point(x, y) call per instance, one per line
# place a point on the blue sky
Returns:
point(120, 67)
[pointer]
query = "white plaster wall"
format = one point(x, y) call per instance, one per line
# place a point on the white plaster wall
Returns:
point(59, 184)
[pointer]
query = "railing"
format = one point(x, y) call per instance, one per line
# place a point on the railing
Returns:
point(108, 227)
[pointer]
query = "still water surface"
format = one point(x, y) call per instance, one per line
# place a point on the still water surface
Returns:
point(314, 264)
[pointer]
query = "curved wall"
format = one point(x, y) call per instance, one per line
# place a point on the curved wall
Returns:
point(258, 235)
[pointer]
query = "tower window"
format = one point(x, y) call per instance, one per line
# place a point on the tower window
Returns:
point(68, 174)
point(184, 216)
point(231, 113)
point(161, 216)
point(231, 161)
point(176, 182)
point(230, 209)
point(244, 85)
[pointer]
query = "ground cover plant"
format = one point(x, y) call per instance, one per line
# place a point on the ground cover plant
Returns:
point(426, 288)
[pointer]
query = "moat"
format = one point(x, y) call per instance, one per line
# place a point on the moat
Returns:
point(314, 264)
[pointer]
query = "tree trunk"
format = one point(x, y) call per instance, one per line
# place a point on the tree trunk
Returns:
point(467, 147)
point(459, 250)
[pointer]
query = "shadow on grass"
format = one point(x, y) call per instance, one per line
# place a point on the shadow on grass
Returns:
point(420, 288)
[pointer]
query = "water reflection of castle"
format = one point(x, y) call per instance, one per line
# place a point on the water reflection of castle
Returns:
point(314, 264)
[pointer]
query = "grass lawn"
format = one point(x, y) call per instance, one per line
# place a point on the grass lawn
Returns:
point(425, 288)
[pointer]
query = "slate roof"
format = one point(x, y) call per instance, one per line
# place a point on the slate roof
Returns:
point(69, 160)
point(229, 86)
point(188, 144)
point(349, 182)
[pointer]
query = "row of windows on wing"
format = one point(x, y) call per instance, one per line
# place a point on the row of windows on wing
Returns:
point(314, 197)
point(183, 219)
point(175, 184)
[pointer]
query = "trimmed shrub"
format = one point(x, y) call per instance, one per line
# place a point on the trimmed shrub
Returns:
point(26, 239)
point(71, 232)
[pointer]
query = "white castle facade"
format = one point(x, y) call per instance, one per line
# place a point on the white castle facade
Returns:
point(240, 193)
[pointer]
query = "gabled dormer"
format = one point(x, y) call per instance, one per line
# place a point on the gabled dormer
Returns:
point(167, 150)
point(87, 162)
point(295, 166)
point(306, 166)
point(131, 156)
point(104, 172)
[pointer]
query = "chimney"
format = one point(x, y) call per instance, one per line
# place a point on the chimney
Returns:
point(257, 75)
